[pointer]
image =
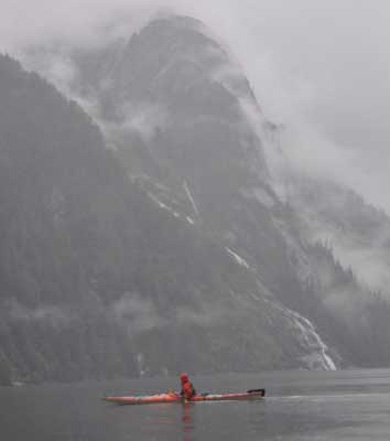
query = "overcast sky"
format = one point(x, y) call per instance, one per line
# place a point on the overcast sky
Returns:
point(321, 67)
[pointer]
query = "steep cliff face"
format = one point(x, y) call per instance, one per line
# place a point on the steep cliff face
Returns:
point(183, 256)
point(179, 113)
point(101, 276)
point(358, 233)
point(183, 119)
point(348, 253)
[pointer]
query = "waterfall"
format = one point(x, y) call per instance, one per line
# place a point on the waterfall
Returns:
point(318, 357)
point(313, 340)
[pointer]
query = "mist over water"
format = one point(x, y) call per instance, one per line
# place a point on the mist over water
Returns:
point(299, 405)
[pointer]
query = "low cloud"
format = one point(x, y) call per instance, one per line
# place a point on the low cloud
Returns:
point(369, 263)
point(212, 316)
point(328, 85)
point(136, 313)
point(57, 66)
point(54, 315)
point(143, 118)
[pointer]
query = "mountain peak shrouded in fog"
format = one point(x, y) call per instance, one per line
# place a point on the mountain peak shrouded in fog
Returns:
point(318, 67)
point(151, 235)
point(104, 277)
point(197, 144)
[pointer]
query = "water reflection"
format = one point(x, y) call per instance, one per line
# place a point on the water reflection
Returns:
point(187, 419)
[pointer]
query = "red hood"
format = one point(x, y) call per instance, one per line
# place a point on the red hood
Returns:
point(184, 378)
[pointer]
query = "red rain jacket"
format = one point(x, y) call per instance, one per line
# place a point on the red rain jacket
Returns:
point(187, 389)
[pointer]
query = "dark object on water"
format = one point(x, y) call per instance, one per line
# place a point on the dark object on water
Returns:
point(252, 391)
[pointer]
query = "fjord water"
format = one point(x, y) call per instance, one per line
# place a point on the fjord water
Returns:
point(301, 405)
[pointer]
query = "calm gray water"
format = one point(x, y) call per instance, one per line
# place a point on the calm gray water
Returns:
point(345, 405)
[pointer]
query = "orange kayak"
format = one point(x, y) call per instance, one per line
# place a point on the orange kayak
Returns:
point(176, 398)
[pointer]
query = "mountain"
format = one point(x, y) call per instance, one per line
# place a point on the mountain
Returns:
point(182, 117)
point(177, 111)
point(355, 236)
point(145, 234)
point(100, 278)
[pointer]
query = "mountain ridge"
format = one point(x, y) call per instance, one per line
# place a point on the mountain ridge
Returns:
point(98, 280)
point(183, 253)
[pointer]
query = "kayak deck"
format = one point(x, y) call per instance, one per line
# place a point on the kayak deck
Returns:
point(176, 398)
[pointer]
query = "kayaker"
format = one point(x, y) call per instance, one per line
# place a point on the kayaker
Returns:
point(187, 389)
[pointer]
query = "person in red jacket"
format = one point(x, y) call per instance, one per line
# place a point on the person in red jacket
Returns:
point(187, 389)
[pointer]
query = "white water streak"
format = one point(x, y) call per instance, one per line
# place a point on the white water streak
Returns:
point(173, 212)
point(318, 358)
point(313, 339)
point(238, 258)
point(191, 199)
